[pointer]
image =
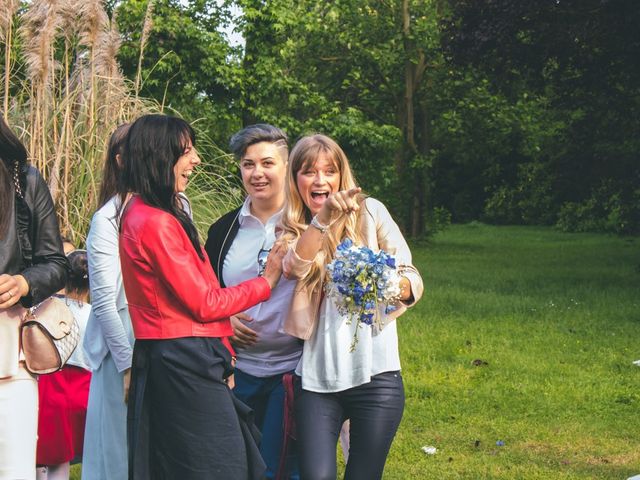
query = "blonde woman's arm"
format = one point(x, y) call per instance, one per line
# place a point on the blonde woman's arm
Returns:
point(392, 241)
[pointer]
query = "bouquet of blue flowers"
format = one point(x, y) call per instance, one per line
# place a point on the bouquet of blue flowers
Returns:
point(361, 282)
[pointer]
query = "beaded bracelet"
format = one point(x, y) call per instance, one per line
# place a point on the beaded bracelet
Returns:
point(315, 223)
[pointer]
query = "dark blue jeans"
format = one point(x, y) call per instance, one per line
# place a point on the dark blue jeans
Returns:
point(374, 409)
point(265, 395)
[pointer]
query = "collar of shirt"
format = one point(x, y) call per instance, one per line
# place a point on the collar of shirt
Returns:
point(246, 219)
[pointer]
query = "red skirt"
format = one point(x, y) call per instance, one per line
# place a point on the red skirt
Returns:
point(63, 408)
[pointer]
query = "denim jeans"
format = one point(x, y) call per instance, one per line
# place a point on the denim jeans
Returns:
point(374, 410)
point(265, 395)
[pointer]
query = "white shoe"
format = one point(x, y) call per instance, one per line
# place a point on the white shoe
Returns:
point(637, 362)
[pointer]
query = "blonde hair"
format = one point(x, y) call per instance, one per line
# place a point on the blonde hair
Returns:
point(296, 215)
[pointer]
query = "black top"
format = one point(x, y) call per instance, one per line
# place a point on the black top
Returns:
point(32, 246)
point(219, 240)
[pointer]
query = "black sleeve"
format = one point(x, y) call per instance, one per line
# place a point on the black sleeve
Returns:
point(48, 272)
point(225, 226)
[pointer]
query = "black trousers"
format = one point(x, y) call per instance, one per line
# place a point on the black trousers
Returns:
point(374, 410)
point(182, 418)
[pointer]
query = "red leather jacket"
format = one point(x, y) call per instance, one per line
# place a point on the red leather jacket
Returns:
point(171, 292)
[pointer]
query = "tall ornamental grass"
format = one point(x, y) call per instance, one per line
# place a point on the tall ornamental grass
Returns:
point(63, 92)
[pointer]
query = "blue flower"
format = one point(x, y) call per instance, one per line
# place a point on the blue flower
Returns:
point(360, 280)
point(366, 318)
point(345, 244)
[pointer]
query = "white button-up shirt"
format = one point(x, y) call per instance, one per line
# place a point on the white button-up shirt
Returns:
point(274, 352)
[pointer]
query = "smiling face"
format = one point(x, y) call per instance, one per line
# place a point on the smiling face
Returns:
point(263, 173)
point(183, 168)
point(317, 181)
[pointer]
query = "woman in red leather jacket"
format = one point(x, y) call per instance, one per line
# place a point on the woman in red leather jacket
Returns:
point(182, 417)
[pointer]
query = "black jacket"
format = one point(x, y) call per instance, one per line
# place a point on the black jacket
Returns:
point(32, 245)
point(219, 240)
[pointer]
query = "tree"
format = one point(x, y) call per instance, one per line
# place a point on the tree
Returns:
point(187, 64)
point(582, 56)
point(358, 71)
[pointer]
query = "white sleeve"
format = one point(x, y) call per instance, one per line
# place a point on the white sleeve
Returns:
point(391, 240)
point(105, 281)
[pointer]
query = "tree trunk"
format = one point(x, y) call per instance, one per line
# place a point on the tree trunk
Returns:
point(411, 190)
point(421, 175)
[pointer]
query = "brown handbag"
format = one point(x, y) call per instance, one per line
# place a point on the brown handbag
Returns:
point(49, 334)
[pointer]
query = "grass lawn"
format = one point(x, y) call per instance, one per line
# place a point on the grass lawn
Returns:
point(517, 362)
point(524, 336)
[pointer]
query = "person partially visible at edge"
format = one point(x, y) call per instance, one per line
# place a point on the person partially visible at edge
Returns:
point(323, 207)
point(63, 394)
point(237, 246)
point(108, 343)
point(183, 421)
point(32, 268)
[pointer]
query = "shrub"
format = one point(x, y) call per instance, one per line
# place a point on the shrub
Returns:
point(606, 210)
point(438, 220)
point(529, 201)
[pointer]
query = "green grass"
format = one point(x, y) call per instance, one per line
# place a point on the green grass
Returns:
point(556, 318)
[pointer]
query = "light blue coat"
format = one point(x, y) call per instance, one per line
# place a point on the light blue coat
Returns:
point(108, 348)
point(109, 326)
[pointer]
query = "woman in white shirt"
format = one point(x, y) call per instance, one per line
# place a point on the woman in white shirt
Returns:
point(323, 207)
point(237, 246)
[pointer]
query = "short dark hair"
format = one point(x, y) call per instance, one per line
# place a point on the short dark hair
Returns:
point(78, 278)
point(260, 132)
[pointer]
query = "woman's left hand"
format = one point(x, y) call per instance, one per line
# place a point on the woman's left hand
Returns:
point(12, 288)
point(405, 289)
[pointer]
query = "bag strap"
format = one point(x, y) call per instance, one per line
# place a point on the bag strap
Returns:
point(16, 180)
point(23, 218)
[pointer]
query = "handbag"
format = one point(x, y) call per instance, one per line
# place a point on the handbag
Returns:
point(49, 333)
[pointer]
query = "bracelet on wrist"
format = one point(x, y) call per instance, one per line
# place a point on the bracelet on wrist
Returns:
point(315, 223)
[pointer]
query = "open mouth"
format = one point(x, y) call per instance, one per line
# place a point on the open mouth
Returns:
point(187, 174)
point(319, 195)
point(259, 185)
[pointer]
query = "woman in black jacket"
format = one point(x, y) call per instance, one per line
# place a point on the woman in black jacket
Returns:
point(32, 267)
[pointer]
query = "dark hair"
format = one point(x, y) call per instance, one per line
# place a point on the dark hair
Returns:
point(12, 151)
point(78, 278)
point(260, 132)
point(152, 148)
point(111, 178)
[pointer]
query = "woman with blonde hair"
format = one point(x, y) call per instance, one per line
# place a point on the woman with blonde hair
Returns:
point(324, 206)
